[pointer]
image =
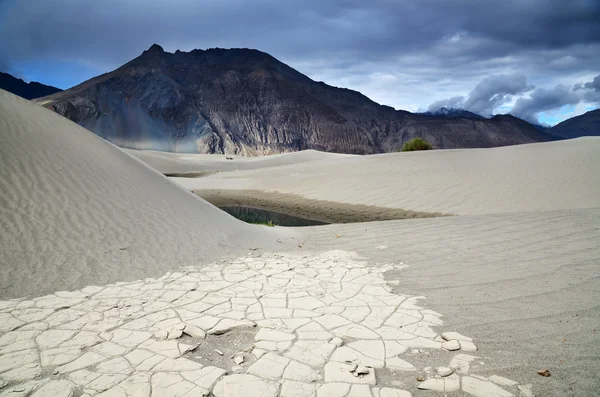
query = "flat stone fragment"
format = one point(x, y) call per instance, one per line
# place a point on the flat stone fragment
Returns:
point(270, 366)
point(333, 390)
point(22, 373)
point(55, 388)
point(106, 381)
point(444, 371)
point(291, 388)
point(500, 380)
point(227, 325)
point(313, 353)
point(389, 392)
point(432, 384)
point(346, 354)
point(59, 356)
point(456, 336)
point(171, 384)
point(273, 335)
point(461, 363)
point(480, 388)
point(301, 372)
point(242, 385)
point(53, 338)
point(86, 360)
point(397, 364)
point(138, 385)
point(174, 334)
point(468, 346)
point(330, 321)
point(451, 345)
point(194, 331)
point(355, 331)
point(359, 391)
point(205, 377)
point(338, 372)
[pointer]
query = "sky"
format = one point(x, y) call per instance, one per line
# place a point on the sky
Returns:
point(536, 59)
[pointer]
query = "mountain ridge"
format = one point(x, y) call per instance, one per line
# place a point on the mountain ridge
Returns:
point(245, 101)
point(587, 124)
point(25, 90)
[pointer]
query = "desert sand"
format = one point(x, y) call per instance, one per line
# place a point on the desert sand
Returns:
point(161, 293)
point(76, 210)
point(533, 177)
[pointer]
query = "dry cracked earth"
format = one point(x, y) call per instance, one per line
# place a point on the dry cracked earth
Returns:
point(263, 325)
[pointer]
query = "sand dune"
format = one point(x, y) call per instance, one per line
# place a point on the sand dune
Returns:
point(544, 176)
point(76, 210)
point(167, 162)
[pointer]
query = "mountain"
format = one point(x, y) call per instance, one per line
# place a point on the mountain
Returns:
point(243, 101)
point(454, 113)
point(587, 124)
point(25, 90)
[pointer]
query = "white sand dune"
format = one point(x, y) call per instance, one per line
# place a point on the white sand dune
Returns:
point(544, 176)
point(76, 210)
point(168, 163)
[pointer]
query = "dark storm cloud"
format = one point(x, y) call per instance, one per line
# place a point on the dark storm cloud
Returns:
point(398, 52)
point(376, 28)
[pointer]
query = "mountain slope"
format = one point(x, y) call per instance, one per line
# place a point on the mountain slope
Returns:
point(76, 210)
point(587, 124)
point(243, 101)
point(25, 90)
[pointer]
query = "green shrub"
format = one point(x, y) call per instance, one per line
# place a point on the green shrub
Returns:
point(416, 144)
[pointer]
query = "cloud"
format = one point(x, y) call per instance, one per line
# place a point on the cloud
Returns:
point(494, 91)
point(454, 102)
point(488, 95)
point(543, 100)
point(592, 85)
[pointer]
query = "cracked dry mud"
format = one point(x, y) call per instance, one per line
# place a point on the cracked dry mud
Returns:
point(288, 325)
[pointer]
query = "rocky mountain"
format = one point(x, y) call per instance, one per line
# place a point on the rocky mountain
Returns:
point(454, 113)
point(25, 90)
point(587, 124)
point(243, 101)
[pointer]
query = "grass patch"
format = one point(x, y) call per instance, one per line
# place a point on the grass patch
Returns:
point(416, 144)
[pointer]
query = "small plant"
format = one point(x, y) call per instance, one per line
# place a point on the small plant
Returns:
point(416, 144)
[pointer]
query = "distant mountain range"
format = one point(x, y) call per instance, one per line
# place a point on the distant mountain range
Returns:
point(25, 90)
point(242, 101)
point(454, 113)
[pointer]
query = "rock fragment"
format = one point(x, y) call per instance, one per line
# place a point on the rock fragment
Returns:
point(455, 336)
point(194, 331)
point(451, 345)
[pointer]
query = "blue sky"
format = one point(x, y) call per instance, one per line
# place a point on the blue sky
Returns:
point(61, 74)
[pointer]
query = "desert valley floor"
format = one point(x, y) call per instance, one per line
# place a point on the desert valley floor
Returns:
point(116, 280)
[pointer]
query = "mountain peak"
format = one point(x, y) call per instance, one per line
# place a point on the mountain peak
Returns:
point(155, 48)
